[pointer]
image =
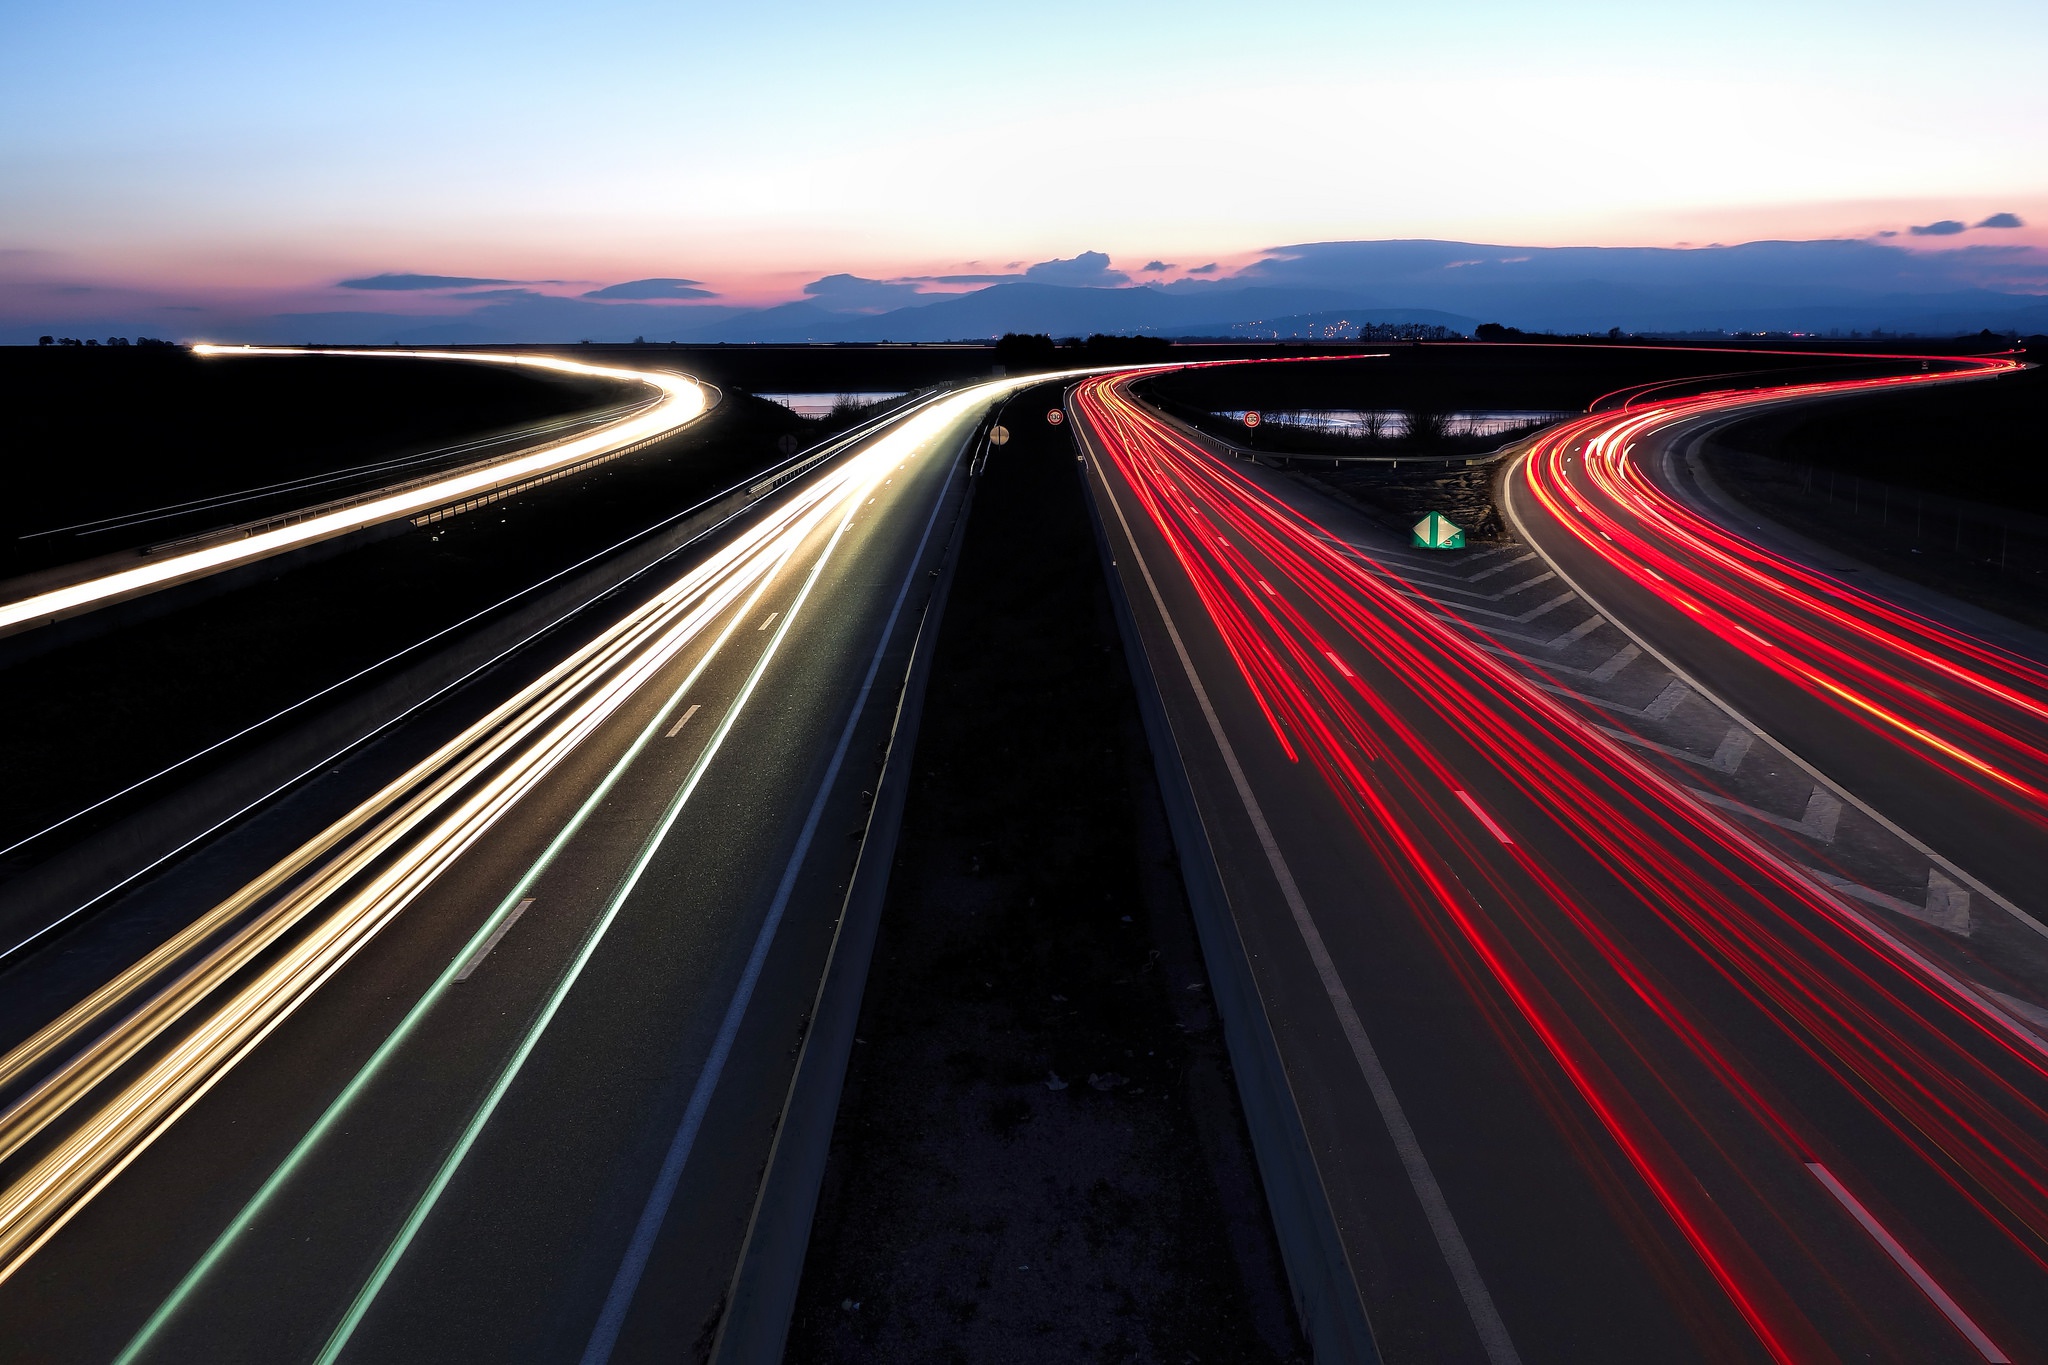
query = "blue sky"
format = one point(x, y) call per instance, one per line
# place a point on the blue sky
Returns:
point(254, 155)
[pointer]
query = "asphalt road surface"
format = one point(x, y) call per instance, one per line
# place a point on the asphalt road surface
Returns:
point(1597, 1061)
point(474, 1050)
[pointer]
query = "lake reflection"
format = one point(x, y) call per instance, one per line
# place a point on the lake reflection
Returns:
point(1393, 423)
point(821, 404)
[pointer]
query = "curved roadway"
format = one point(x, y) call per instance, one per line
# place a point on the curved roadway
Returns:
point(1591, 1071)
point(453, 1052)
point(680, 401)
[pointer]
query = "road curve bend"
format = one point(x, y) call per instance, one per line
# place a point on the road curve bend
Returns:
point(680, 401)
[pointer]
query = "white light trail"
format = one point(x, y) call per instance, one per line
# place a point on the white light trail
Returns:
point(682, 401)
point(223, 1004)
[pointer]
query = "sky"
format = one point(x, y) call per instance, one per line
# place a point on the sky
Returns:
point(209, 158)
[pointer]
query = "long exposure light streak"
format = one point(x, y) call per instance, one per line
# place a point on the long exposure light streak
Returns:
point(1848, 648)
point(682, 401)
point(1916, 1053)
point(114, 1072)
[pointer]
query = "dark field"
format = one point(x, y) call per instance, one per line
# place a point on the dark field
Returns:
point(1986, 440)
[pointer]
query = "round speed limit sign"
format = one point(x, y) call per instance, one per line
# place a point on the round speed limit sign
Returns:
point(1054, 416)
point(1251, 419)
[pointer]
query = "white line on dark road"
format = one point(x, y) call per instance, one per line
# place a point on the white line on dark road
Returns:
point(1948, 1306)
point(476, 958)
point(768, 620)
point(677, 728)
point(1457, 1253)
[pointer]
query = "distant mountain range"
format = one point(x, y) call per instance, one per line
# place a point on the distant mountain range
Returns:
point(1314, 289)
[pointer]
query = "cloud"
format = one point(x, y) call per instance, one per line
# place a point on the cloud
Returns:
point(1088, 268)
point(1154, 267)
point(501, 295)
point(1888, 232)
point(2002, 220)
point(1947, 227)
point(966, 279)
point(1208, 269)
point(652, 289)
point(402, 281)
point(857, 294)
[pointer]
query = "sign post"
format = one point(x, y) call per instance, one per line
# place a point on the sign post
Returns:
point(1438, 532)
point(1053, 417)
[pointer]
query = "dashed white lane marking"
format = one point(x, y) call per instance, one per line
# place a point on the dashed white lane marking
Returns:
point(1947, 905)
point(1950, 1309)
point(1518, 618)
point(1735, 746)
point(1822, 818)
point(1727, 758)
point(484, 949)
point(1669, 700)
point(1577, 632)
point(1501, 567)
point(677, 728)
point(1484, 818)
point(1620, 659)
point(768, 620)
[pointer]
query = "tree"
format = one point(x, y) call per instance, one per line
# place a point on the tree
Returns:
point(1428, 426)
point(46, 341)
point(1020, 353)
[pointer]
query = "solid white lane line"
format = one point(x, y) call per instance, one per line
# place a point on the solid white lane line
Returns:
point(1515, 520)
point(1950, 1309)
point(611, 1318)
point(768, 620)
point(340, 1105)
point(476, 958)
point(677, 728)
point(402, 1241)
point(1457, 1254)
point(1484, 818)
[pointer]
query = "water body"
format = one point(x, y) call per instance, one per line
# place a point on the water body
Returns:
point(1393, 423)
point(821, 404)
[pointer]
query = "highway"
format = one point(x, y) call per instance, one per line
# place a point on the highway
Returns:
point(678, 401)
point(1643, 996)
point(450, 1053)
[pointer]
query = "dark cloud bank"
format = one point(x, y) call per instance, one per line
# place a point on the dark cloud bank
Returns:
point(1803, 286)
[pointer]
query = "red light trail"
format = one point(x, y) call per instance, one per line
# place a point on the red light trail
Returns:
point(1583, 900)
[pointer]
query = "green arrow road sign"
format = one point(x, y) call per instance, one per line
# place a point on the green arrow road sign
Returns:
point(1438, 532)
